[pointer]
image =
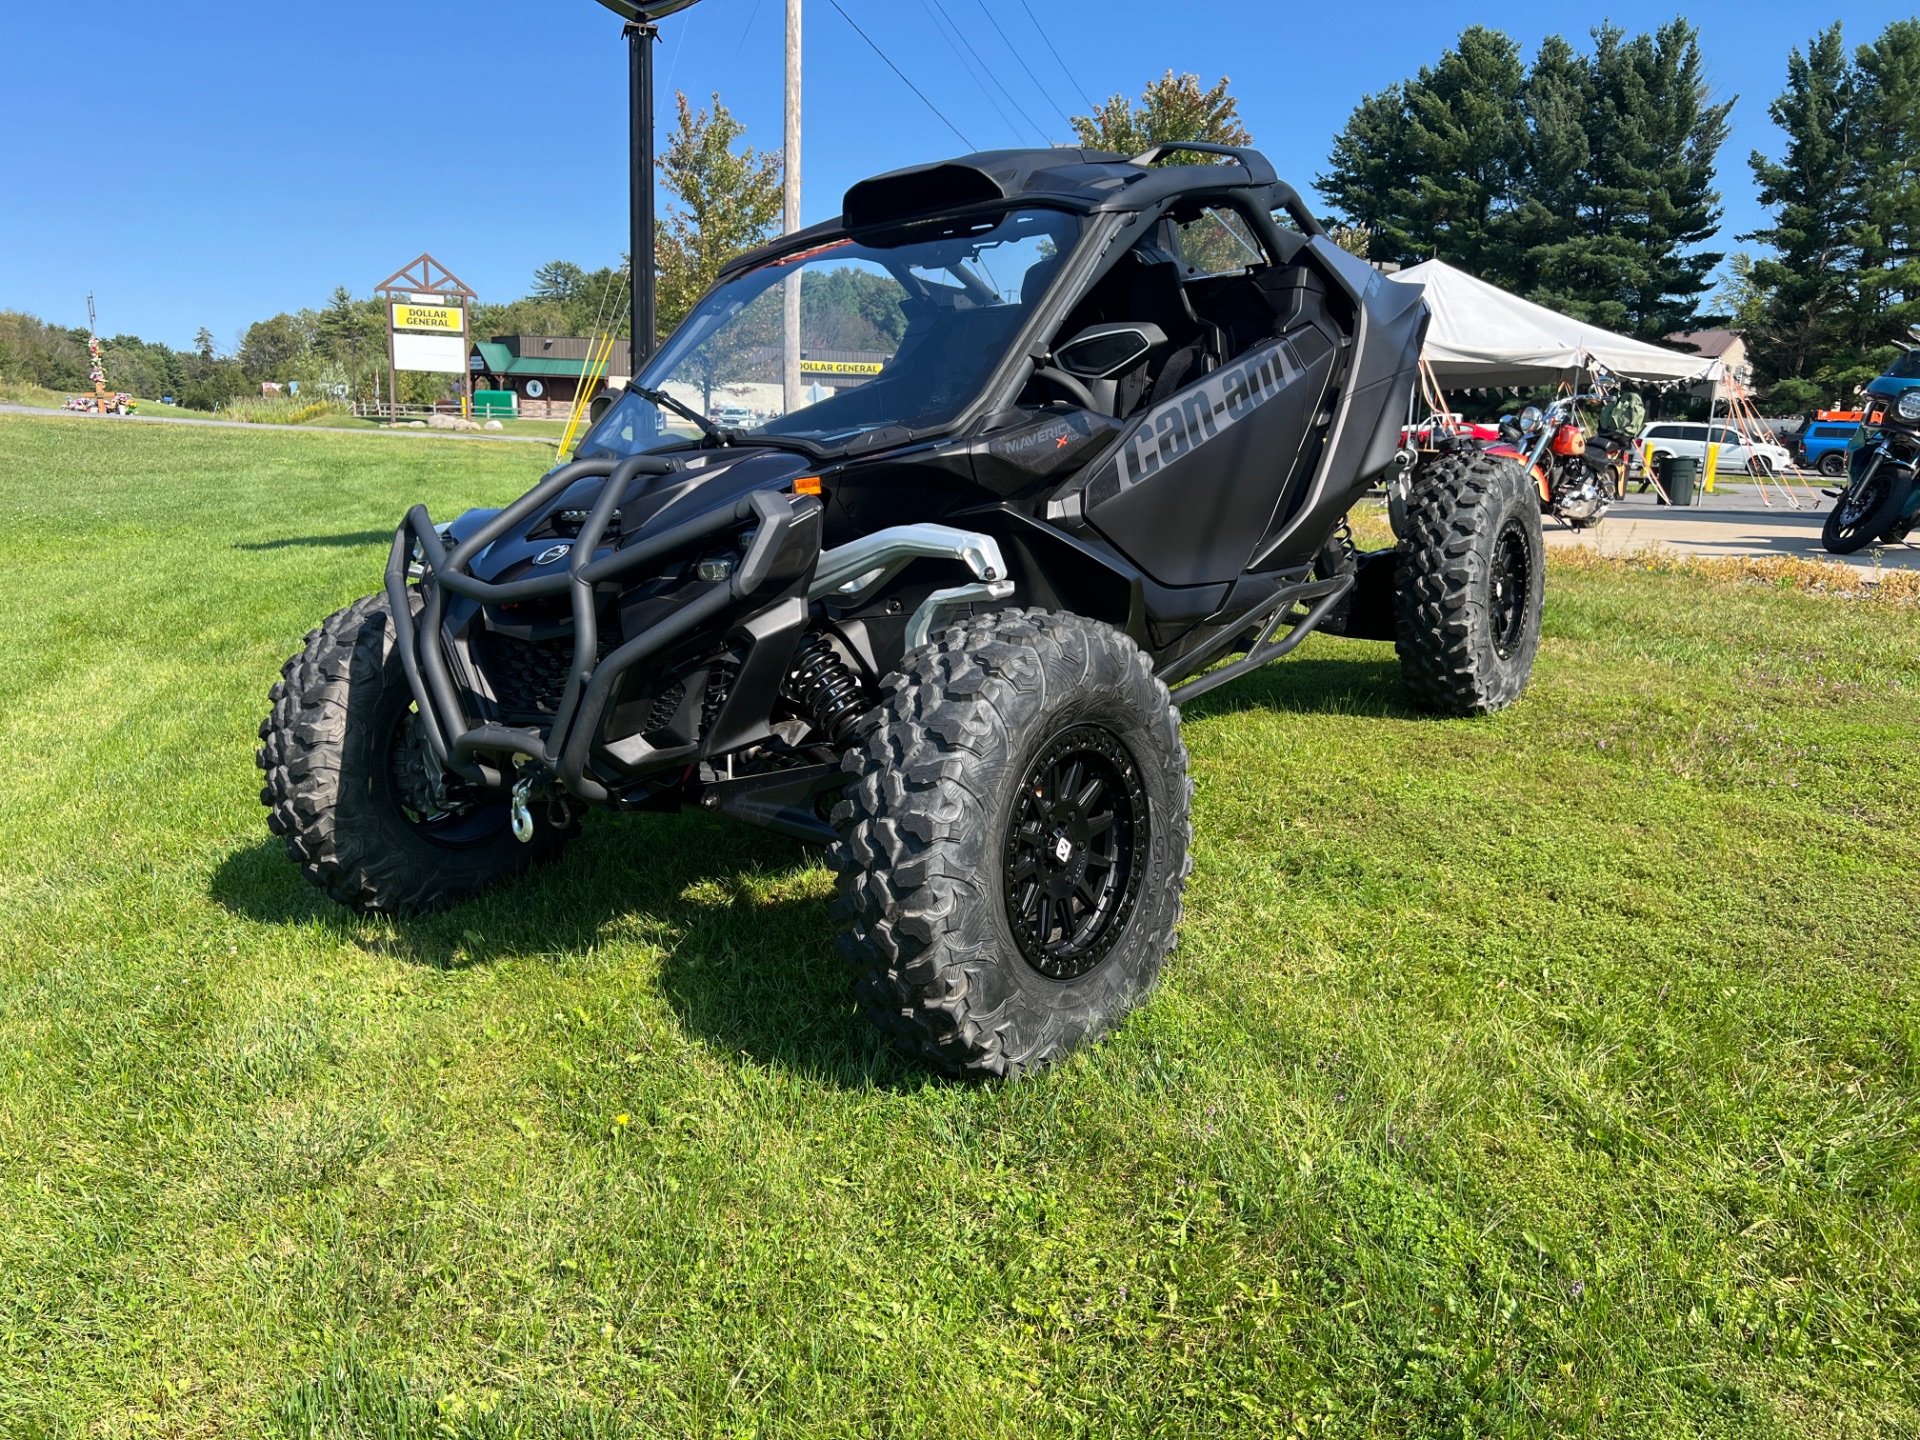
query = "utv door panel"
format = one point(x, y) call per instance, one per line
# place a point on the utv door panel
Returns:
point(1193, 484)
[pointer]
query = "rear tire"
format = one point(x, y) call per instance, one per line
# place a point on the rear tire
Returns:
point(1833, 464)
point(345, 772)
point(1472, 574)
point(1014, 843)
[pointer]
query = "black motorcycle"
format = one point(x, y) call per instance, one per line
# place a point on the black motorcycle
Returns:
point(1881, 500)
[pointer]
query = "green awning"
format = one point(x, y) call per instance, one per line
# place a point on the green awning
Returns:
point(501, 361)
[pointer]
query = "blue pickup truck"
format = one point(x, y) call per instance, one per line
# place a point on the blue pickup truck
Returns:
point(1823, 443)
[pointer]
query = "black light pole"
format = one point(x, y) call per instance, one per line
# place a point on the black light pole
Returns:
point(640, 38)
point(641, 31)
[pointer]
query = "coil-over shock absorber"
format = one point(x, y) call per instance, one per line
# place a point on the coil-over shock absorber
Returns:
point(826, 688)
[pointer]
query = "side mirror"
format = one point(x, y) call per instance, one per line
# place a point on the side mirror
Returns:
point(1101, 352)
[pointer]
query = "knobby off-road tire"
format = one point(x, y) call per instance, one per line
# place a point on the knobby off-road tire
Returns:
point(1471, 581)
point(344, 774)
point(961, 777)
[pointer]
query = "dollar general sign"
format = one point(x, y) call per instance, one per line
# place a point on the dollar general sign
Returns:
point(440, 319)
point(840, 367)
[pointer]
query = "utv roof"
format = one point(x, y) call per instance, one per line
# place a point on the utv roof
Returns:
point(1083, 179)
point(1079, 179)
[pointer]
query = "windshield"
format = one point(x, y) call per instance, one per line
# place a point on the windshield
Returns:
point(1907, 367)
point(850, 337)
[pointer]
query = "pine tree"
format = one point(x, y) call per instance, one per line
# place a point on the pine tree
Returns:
point(1888, 106)
point(1435, 165)
point(1646, 198)
point(1370, 178)
point(1555, 101)
point(1583, 182)
point(1806, 287)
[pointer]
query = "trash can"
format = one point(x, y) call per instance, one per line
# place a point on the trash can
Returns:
point(1679, 474)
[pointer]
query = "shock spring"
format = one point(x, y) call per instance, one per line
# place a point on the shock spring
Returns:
point(826, 688)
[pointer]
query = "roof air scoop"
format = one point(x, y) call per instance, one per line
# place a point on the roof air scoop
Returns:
point(916, 193)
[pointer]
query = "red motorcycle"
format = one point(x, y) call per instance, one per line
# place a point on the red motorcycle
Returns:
point(1578, 477)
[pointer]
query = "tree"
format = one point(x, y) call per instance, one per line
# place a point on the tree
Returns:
point(1434, 165)
point(350, 336)
point(1887, 103)
point(729, 202)
point(270, 346)
point(1802, 290)
point(1647, 199)
point(35, 353)
point(559, 280)
point(1584, 182)
point(1171, 108)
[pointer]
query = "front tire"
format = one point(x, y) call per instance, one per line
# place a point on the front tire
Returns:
point(346, 781)
point(1014, 843)
point(1472, 577)
point(1867, 510)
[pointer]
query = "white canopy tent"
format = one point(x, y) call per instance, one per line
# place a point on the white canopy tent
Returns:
point(1481, 335)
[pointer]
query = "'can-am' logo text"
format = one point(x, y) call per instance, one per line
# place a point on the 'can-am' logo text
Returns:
point(1195, 416)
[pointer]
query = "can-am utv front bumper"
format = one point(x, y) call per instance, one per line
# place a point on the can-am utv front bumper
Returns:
point(758, 602)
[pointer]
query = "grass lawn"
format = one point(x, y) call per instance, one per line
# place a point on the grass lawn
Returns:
point(1549, 1074)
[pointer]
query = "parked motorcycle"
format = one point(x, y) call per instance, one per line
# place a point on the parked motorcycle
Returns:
point(1881, 502)
point(1578, 477)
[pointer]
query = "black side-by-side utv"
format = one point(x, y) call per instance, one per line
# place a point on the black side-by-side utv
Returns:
point(1039, 444)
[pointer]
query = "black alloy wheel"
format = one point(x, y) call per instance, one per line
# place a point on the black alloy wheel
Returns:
point(1075, 851)
point(453, 820)
point(1510, 588)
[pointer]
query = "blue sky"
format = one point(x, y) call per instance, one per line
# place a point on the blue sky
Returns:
point(212, 163)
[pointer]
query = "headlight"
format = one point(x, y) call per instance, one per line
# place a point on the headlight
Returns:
point(1909, 406)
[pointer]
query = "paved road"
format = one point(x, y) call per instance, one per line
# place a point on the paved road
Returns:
point(1731, 521)
point(275, 429)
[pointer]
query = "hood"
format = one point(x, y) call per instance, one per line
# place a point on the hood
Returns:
point(711, 479)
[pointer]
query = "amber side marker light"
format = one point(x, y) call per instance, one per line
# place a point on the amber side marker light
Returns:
point(807, 485)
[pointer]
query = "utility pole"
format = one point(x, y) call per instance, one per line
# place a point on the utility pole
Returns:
point(790, 371)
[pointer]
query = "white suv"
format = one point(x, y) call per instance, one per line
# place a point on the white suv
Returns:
point(1678, 437)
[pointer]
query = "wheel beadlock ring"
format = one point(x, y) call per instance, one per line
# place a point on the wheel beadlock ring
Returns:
point(1509, 588)
point(1079, 855)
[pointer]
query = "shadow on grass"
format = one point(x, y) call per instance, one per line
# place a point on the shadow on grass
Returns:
point(319, 542)
point(740, 915)
point(1363, 681)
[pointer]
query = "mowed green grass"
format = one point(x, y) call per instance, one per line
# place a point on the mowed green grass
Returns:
point(1549, 1074)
